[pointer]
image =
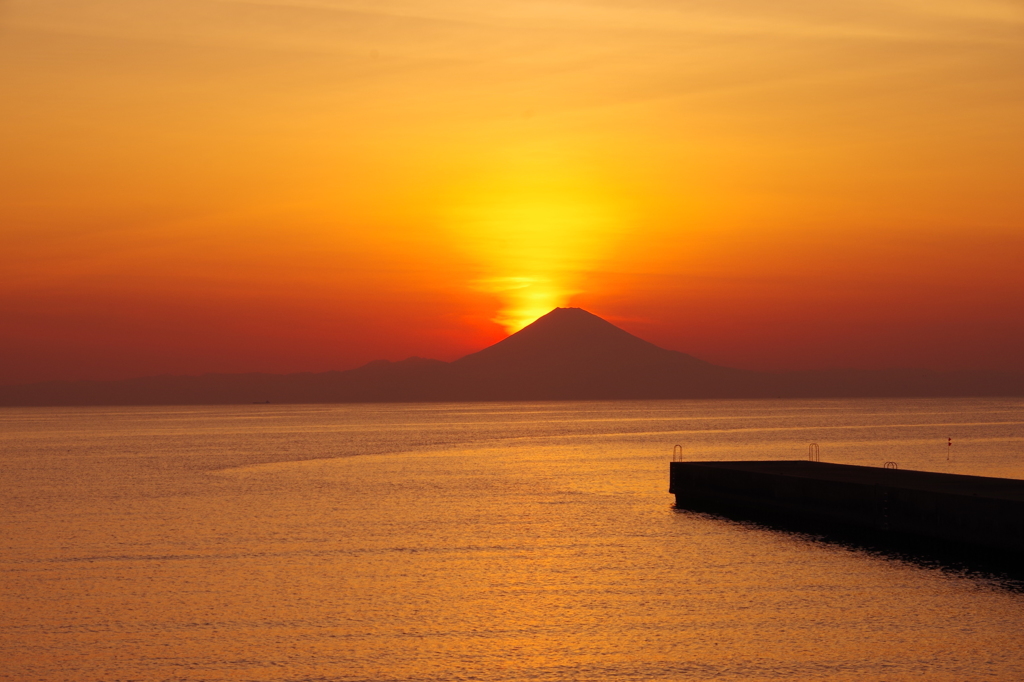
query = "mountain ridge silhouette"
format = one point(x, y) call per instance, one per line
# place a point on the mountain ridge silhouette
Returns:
point(568, 354)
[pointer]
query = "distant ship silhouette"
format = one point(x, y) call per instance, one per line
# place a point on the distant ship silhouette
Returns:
point(568, 354)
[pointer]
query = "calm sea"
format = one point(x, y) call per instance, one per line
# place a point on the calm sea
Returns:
point(530, 541)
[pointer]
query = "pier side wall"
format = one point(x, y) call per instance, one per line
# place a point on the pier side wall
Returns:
point(941, 515)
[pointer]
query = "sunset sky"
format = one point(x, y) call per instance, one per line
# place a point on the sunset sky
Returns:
point(195, 186)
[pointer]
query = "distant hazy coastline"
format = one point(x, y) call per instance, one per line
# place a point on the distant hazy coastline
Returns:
point(569, 354)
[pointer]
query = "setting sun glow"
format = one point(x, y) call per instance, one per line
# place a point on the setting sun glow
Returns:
point(287, 186)
point(532, 246)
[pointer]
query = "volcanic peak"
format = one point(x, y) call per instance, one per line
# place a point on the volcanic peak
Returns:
point(565, 336)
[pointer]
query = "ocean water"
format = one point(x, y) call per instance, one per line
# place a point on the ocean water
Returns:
point(529, 541)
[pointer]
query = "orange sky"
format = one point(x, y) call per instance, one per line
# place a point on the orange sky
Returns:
point(193, 186)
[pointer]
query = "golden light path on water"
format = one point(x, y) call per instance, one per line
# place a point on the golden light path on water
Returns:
point(498, 542)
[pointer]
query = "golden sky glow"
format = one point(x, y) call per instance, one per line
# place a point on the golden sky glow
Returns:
point(218, 185)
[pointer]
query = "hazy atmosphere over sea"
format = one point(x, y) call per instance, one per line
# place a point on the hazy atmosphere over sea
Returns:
point(197, 186)
point(350, 340)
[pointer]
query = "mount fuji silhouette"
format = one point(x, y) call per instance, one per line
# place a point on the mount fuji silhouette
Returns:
point(573, 354)
point(568, 354)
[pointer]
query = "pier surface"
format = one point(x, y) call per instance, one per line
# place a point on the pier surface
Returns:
point(974, 510)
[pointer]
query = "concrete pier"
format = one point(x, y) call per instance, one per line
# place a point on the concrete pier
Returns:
point(973, 510)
